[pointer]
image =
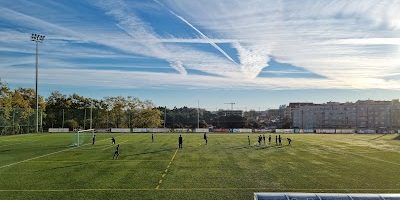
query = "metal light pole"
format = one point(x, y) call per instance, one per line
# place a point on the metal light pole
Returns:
point(165, 115)
point(91, 115)
point(37, 38)
point(198, 114)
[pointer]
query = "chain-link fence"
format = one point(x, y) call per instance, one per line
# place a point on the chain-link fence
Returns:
point(19, 120)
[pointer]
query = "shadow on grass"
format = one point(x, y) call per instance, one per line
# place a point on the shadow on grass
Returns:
point(257, 147)
point(275, 146)
point(397, 137)
point(240, 147)
point(375, 138)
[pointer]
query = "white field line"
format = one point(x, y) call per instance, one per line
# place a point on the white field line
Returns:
point(29, 159)
point(347, 152)
point(202, 189)
point(166, 170)
point(114, 145)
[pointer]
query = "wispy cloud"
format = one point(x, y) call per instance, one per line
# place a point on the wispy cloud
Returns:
point(211, 42)
point(302, 34)
point(354, 44)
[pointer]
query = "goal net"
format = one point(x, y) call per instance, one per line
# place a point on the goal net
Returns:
point(82, 137)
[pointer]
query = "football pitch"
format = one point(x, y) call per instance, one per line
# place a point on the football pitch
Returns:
point(44, 166)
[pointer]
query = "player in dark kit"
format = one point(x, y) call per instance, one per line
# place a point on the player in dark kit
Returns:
point(93, 139)
point(269, 139)
point(205, 138)
point(289, 140)
point(180, 141)
point(276, 139)
point(152, 137)
point(264, 138)
point(280, 140)
point(112, 140)
point(116, 153)
point(248, 138)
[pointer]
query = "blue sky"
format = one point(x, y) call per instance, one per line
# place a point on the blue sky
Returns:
point(257, 53)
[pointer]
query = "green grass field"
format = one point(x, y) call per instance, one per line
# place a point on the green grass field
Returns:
point(44, 166)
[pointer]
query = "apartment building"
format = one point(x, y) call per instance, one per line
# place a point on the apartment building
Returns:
point(366, 114)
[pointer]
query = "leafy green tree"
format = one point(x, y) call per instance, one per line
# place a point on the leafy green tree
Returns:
point(71, 124)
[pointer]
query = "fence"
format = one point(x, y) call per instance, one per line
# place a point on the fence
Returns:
point(19, 120)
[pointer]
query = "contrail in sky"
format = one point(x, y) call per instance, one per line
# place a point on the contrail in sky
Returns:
point(198, 31)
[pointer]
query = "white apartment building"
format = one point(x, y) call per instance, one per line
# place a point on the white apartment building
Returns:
point(359, 115)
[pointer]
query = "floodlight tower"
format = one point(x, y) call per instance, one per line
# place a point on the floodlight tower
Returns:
point(37, 38)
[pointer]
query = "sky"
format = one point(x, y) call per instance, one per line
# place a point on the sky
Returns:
point(257, 53)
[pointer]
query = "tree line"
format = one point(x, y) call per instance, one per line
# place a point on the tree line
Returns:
point(17, 113)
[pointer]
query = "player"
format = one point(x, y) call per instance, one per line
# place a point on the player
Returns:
point(180, 141)
point(264, 138)
point(205, 138)
point(248, 138)
point(269, 139)
point(113, 140)
point(152, 137)
point(116, 153)
point(94, 139)
point(289, 140)
point(280, 140)
point(259, 140)
point(276, 139)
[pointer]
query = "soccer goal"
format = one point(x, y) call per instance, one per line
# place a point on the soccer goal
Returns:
point(82, 137)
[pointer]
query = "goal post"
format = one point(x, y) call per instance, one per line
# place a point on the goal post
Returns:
point(82, 137)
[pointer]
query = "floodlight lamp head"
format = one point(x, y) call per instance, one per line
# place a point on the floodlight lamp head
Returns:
point(37, 38)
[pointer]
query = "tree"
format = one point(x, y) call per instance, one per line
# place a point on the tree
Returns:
point(117, 107)
point(231, 121)
point(71, 124)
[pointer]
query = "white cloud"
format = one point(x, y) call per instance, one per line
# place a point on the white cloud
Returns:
point(353, 43)
point(326, 37)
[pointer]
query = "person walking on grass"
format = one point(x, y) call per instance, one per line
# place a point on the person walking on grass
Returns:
point(248, 138)
point(152, 137)
point(180, 142)
point(264, 138)
point(205, 138)
point(280, 140)
point(276, 139)
point(94, 139)
point(269, 139)
point(116, 153)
